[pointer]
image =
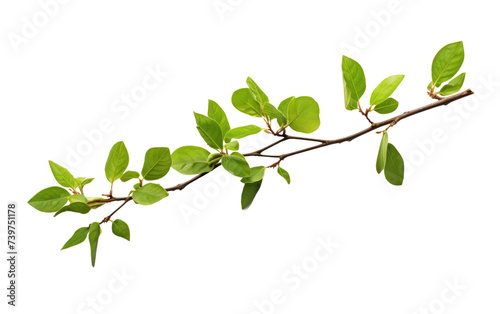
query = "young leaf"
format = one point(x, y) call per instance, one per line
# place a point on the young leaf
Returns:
point(382, 153)
point(385, 89)
point(283, 107)
point(394, 166)
point(190, 160)
point(453, 86)
point(234, 145)
point(78, 237)
point(50, 200)
point(257, 173)
point(236, 165)
point(387, 106)
point(274, 113)
point(156, 163)
point(121, 229)
point(149, 194)
point(249, 192)
point(349, 102)
point(213, 159)
point(209, 130)
point(242, 131)
point(215, 112)
point(137, 186)
point(76, 207)
point(63, 176)
point(354, 82)
point(117, 162)
point(282, 172)
point(303, 115)
point(447, 62)
point(94, 233)
point(243, 100)
point(257, 93)
point(129, 175)
point(84, 181)
point(78, 198)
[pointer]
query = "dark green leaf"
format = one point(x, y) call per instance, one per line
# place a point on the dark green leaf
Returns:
point(303, 115)
point(447, 62)
point(274, 113)
point(117, 162)
point(257, 93)
point(354, 82)
point(382, 153)
point(249, 192)
point(257, 173)
point(453, 86)
point(63, 176)
point(387, 106)
point(394, 166)
point(121, 229)
point(149, 194)
point(129, 175)
point(50, 200)
point(243, 100)
point(78, 237)
point(94, 233)
point(209, 130)
point(77, 207)
point(385, 89)
point(236, 165)
point(234, 145)
point(156, 163)
point(215, 112)
point(190, 160)
point(242, 131)
point(282, 172)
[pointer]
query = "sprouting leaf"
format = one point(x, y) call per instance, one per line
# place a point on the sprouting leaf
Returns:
point(50, 200)
point(84, 181)
point(282, 172)
point(303, 114)
point(274, 113)
point(78, 237)
point(78, 198)
point(429, 87)
point(234, 145)
point(394, 166)
point(249, 192)
point(156, 163)
point(121, 229)
point(382, 153)
point(94, 233)
point(283, 107)
point(385, 89)
point(76, 207)
point(149, 194)
point(213, 159)
point(243, 100)
point(256, 174)
point(217, 113)
point(453, 86)
point(117, 162)
point(236, 165)
point(190, 160)
point(447, 62)
point(242, 131)
point(62, 175)
point(137, 186)
point(387, 106)
point(257, 93)
point(129, 175)
point(354, 82)
point(209, 130)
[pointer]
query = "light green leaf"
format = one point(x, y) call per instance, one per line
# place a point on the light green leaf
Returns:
point(117, 162)
point(234, 145)
point(394, 166)
point(76, 207)
point(129, 175)
point(349, 102)
point(50, 200)
point(86, 181)
point(156, 163)
point(303, 114)
point(385, 89)
point(78, 198)
point(62, 175)
point(209, 130)
point(257, 173)
point(236, 165)
point(447, 62)
point(429, 87)
point(257, 93)
point(283, 107)
point(282, 172)
point(217, 113)
point(453, 86)
point(121, 229)
point(242, 131)
point(78, 237)
point(274, 113)
point(94, 233)
point(149, 194)
point(387, 106)
point(137, 186)
point(213, 159)
point(249, 192)
point(243, 100)
point(354, 82)
point(190, 160)
point(382, 153)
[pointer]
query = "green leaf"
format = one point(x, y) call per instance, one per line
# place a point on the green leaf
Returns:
point(234, 145)
point(121, 229)
point(149, 194)
point(78, 237)
point(274, 113)
point(387, 106)
point(190, 160)
point(137, 186)
point(243, 100)
point(217, 113)
point(382, 153)
point(86, 181)
point(257, 173)
point(394, 166)
point(156, 163)
point(249, 192)
point(453, 86)
point(50, 200)
point(94, 233)
point(283, 107)
point(354, 82)
point(257, 93)
point(303, 115)
point(242, 131)
point(385, 89)
point(236, 165)
point(447, 62)
point(209, 130)
point(282, 172)
point(76, 207)
point(129, 175)
point(213, 159)
point(429, 87)
point(78, 198)
point(62, 175)
point(117, 162)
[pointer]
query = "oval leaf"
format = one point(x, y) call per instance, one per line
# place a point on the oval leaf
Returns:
point(282, 172)
point(149, 194)
point(236, 165)
point(190, 160)
point(63, 176)
point(50, 200)
point(447, 62)
point(303, 114)
point(249, 192)
point(121, 229)
point(257, 93)
point(209, 130)
point(382, 153)
point(243, 100)
point(354, 82)
point(234, 145)
point(129, 175)
point(453, 86)
point(77, 207)
point(242, 131)
point(217, 113)
point(385, 89)
point(78, 237)
point(274, 113)
point(394, 166)
point(156, 163)
point(387, 106)
point(117, 162)
point(256, 174)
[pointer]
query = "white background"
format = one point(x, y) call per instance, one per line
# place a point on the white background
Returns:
point(400, 247)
